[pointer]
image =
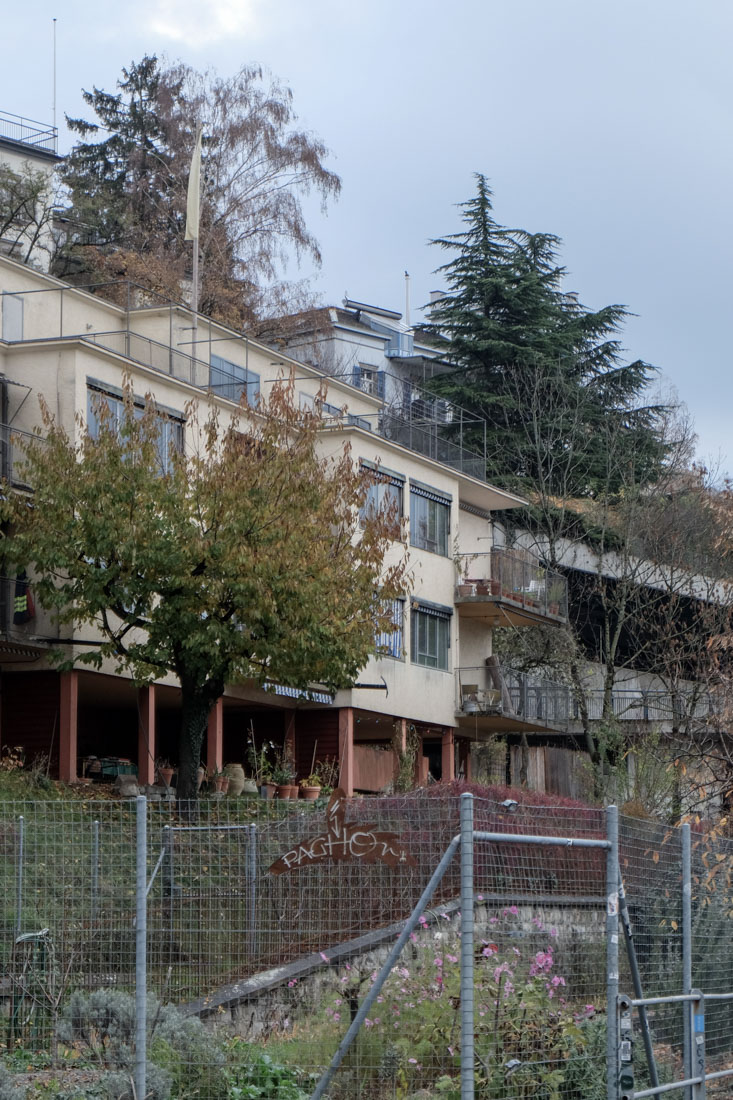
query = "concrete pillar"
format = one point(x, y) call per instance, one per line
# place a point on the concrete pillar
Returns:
point(447, 756)
point(215, 738)
point(346, 750)
point(146, 735)
point(68, 715)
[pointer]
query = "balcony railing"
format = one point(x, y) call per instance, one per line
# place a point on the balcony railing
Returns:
point(421, 422)
point(486, 690)
point(28, 132)
point(516, 577)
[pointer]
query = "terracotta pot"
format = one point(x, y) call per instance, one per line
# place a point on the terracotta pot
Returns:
point(267, 790)
point(310, 794)
point(554, 608)
point(466, 590)
point(495, 588)
point(221, 783)
point(166, 775)
point(283, 790)
point(200, 777)
point(235, 774)
point(482, 588)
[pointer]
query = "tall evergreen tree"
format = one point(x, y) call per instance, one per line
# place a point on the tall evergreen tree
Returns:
point(544, 372)
point(127, 179)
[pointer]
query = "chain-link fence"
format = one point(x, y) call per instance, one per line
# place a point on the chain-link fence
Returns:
point(263, 929)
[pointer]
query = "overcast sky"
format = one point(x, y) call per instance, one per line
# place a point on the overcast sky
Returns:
point(607, 122)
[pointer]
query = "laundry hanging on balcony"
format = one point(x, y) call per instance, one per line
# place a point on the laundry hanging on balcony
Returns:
point(23, 608)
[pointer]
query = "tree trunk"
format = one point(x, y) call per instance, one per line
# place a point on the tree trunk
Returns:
point(196, 702)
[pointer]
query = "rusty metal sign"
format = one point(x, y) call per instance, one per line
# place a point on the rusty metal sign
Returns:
point(342, 841)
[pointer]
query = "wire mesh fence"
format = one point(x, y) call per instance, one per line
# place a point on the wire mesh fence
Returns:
point(254, 976)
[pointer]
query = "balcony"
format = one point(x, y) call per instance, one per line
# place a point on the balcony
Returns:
point(490, 699)
point(493, 699)
point(25, 131)
point(510, 588)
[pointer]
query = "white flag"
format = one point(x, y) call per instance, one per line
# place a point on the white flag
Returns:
point(193, 202)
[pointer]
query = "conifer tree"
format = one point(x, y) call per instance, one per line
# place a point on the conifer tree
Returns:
point(543, 371)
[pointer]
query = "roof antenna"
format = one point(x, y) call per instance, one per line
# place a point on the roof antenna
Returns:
point(54, 72)
point(407, 298)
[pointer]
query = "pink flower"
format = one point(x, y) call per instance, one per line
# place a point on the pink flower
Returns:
point(438, 961)
point(412, 1061)
point(324, 957)
point(294, 981)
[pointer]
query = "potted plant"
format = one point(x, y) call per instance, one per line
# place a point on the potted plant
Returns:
point(259, 764)
point(283, 772)
point(310, 788)
point(165, 771)
point(220, 781)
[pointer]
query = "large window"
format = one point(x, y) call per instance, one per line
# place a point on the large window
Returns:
point(390, 643)
point(429, 519)
point(169, 428)
point(230, 380)
point(385, 494)
point(430, 635)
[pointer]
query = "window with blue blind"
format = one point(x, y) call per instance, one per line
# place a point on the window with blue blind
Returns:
point(390, 643)
point(429, 519)
point(385, 493)
point(430, 635)
point(169, 428)
point(232, 381)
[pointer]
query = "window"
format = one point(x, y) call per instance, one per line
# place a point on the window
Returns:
point(12, 316)
point(430, 635)
point(429, 519)
point(369, 379)
point(170, 429)
point(391, 643)
point(384, 493)
point(230, 380)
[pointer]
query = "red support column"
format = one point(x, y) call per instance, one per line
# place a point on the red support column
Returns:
point(68, 712)
point(447, 757)
point(346, 750)
point(215, 738)
point(146, 736)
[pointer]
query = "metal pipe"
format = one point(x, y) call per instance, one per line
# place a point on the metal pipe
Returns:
point(467, 1020)
point(667, 1088)
point(141, 930)
point(636, 980)
point(612, 866)
point(557, 841)
point(687, 949)
point(391, 959)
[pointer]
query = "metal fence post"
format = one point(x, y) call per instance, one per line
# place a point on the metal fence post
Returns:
point(612, 871)
point(252, 871)
point(467, 902)
point(698, 1044)
point(141, 932)
point(95, 872)
point(687, 950)
point(19, 877)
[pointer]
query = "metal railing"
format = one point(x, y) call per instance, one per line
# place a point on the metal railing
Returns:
point(517, 576)
point(486, 690)
point(27, 131)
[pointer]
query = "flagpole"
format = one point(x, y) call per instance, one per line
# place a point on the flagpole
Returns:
point(193, 210)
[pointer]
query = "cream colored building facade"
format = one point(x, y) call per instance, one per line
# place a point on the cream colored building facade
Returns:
point(70, 347)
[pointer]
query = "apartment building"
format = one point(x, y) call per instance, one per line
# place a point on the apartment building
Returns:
point(437, 678)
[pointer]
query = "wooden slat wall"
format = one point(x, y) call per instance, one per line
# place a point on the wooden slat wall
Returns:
point(374, 768)
point(311, 726)
point(553, 770)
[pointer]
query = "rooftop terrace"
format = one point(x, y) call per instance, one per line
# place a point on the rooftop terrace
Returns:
point(26, 131)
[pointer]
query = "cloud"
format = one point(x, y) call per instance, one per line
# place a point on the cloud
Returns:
point(202, 22)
